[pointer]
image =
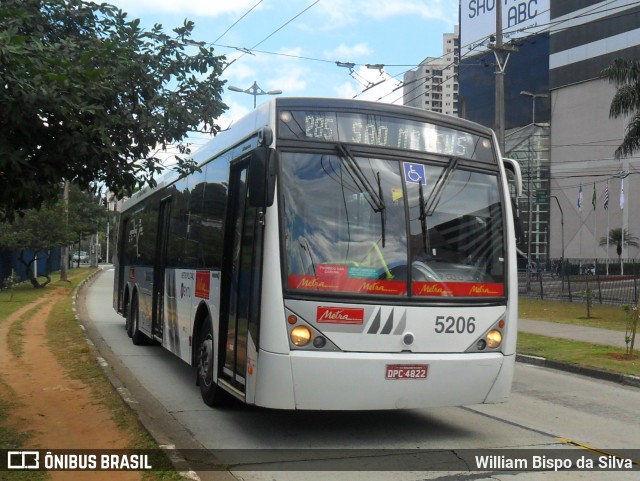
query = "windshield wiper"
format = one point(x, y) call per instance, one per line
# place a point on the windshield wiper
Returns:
point(429, 206)
point(441, 183)
point(423, 220)
point(374, 199)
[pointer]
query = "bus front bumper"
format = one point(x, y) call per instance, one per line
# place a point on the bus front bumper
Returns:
point(369, 381)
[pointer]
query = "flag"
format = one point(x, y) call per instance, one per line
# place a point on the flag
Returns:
point(621, 193)
point(606, 196)
point(593, 197)
point(580, 198)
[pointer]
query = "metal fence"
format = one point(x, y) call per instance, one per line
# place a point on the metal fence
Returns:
point(576, 280)
point(9, 263)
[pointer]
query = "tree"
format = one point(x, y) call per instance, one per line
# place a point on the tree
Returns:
point(90, 97)
point(87, 214)
point(41, 230)
point(32, 233)
point(625, 74)
point(616, 239)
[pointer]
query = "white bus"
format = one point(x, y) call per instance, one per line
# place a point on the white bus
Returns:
point(331, 255)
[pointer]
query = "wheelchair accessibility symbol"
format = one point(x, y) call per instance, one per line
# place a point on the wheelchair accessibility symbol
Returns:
point(415, 173)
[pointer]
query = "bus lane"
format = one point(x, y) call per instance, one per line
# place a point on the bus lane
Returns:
point(549, 415)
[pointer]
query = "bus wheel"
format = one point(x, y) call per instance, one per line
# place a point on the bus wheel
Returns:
point(137, 337)
point(212, 394)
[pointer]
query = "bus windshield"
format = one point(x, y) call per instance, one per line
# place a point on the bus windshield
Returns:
point(381, 226)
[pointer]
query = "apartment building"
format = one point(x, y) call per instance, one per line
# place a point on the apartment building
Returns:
point(434, 84)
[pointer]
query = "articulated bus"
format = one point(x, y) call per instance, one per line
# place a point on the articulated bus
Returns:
point(331, 255)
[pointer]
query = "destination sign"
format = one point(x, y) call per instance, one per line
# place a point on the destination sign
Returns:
point(383, 131)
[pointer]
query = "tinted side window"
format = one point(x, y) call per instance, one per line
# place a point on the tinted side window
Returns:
point(179, 225)
point(215, 192)
point(147, 221)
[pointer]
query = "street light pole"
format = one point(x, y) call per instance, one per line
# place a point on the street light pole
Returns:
point(533, 100)
point(254, 90)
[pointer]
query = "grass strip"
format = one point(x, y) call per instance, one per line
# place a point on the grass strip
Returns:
point(68, 343)
point(608, 358)
point(602, 316)
point(16, 333)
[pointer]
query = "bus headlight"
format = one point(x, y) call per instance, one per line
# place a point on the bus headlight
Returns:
point(494, 338)
point(300, 336)
point(491, 340)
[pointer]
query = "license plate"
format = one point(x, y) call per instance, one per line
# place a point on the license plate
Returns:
point(407, 371)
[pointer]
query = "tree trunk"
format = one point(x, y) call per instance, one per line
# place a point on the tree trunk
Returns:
point(29, 267)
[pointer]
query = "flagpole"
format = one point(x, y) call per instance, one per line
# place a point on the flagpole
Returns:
point(595, 233)
point(595, 228)
point(606, 206)
point(581, 222)
point(622, 233)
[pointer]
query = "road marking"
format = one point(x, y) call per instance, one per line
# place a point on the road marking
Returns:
point(511, 423)
point(586, 447)
point(567, 441)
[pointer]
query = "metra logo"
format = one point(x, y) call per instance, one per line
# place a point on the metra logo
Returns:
point(377, 287)
point(483, 290)
point(311, 283)
point(340, 315)
point(431, 289)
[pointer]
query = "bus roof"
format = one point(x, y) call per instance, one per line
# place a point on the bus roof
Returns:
point(386, 108)
point(248, 125)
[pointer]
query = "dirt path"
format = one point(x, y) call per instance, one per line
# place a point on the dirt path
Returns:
point(59, 412)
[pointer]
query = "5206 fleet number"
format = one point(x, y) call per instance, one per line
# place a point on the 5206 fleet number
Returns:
point(455, 325)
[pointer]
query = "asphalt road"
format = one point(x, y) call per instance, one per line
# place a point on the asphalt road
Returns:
point(551, 414)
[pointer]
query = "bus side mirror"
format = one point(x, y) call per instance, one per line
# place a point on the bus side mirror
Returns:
point(262, 177)
point(515, 179)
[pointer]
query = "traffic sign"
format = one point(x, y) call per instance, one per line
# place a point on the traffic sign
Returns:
point(542, 197)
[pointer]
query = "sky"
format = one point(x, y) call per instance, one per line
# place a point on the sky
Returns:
point(295, 45)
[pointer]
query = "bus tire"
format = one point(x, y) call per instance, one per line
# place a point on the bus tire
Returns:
point(137, 337)
point(212, 394)
point(127, 318)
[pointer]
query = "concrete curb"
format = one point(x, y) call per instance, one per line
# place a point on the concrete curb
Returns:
point(625, 379)
point(161, 426)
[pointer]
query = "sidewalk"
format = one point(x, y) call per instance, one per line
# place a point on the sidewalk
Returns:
point(576, 333)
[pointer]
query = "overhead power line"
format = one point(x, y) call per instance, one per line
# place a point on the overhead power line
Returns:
point(272, 33)
point(551, 27)
point(237, 21)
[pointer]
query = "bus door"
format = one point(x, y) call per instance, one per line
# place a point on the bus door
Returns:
point(159, 268)
point(241, 277)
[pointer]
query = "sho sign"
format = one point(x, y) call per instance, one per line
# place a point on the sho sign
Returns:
point(519, 19)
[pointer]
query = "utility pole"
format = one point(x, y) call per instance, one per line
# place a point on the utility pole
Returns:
point(499, 49)
point(64, 252)
point(106, 259)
